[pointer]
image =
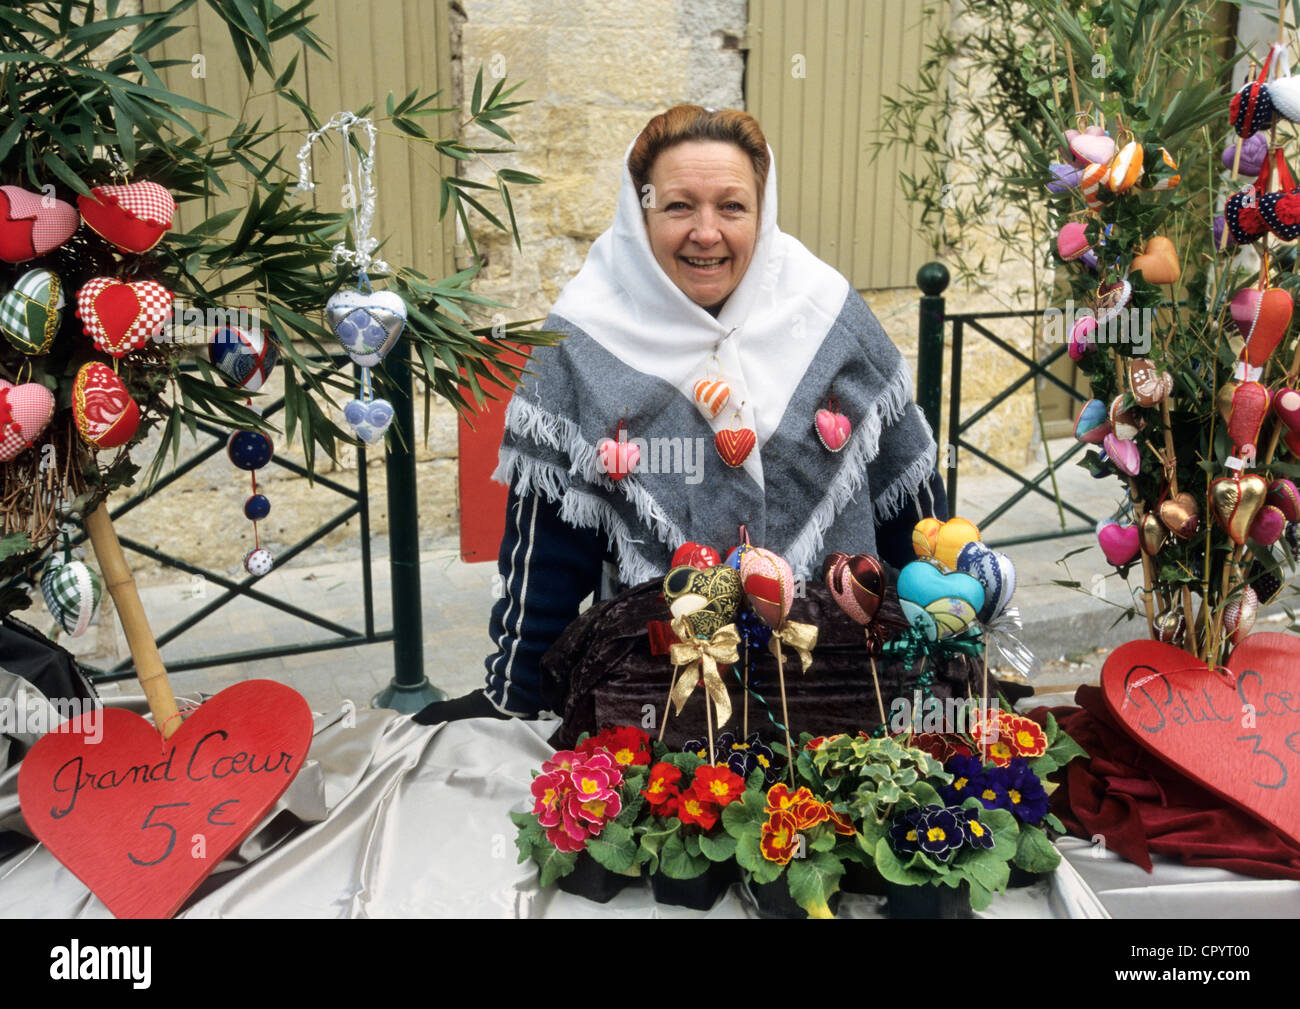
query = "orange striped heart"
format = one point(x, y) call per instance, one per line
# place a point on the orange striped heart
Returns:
point(711, 395)
point(735, 444)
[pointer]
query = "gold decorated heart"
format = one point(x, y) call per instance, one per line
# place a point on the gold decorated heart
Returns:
point(1236, 501)
point(1181, 515)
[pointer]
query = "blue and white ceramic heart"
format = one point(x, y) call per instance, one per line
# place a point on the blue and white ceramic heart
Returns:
point(370, 420)
point(995, 572)
point(367, 325)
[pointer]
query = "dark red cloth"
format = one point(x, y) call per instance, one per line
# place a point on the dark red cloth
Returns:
point(1141, 806)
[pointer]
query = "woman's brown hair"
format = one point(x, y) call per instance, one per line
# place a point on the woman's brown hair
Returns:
point(693, 122)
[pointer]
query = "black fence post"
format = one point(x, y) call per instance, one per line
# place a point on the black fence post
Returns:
point(410, 690)
point(932, 279)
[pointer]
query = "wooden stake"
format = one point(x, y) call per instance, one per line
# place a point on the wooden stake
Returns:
point(708, 724)
point(880, 700)
point(745, 723)
point(148, 662)
point(668, 704)
point(785, 711)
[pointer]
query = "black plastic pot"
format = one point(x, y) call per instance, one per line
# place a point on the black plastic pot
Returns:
point(592, 880)
point(700, 893)
point(1022, 877)
point(773, 900)
point(859, 878)
point(930, 900)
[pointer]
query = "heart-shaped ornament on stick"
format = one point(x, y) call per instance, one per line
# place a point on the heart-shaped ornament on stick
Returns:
point(768, 583)
point(1235, 501)
point(709, 599)
point(857, 584)
point(142, 821)
point(121, 317)
point(1119, 543)
point(1262, 318)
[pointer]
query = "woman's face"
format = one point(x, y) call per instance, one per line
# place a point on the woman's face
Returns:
point(703, 221)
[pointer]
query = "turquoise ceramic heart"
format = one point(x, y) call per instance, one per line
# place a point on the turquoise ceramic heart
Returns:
point(923, 584)
point(1093, 424)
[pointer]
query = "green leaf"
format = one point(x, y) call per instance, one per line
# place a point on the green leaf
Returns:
point(1034, 852)
point(889, 866)
point(676, 862)
point(615, 848)
point(718, 847)
point(553, 863)
point(813, 881)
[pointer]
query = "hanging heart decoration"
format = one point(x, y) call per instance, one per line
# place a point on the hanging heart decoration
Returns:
point(1161, 172)
point(1249, 407)
point(246, 356)
point(1268, 526)
point(1081, 337)
point(1285, 497)
point(31, 313)
point(942, 603)
point(1092, 425)
point(1150, 387)
point(1236, 500)
point(695, 555)
point(1242, 216)
point(857, 583)
point(833, 428)
point(105, 414)
point(1281, 210)
point(133, 217)
point(1284, 93)
point(1254, 149)
point(1095, 148)
point(32, 224)
point(943, 541)
point(366, 324)
point(1286, 404)
point(72, 592)
point(1124, 454)
point(369, 419)
point(735, 444)
point(995, 572)
point(1113, 299)
point(1158, 262)
point(1125, 168)
point(1180, 515)
point(1072, 241)
point(1124, 422)
point(121, 317)
point(1090, 185)
point(1119, 543)
point(1239, 615)
point(1262, 318)
point(25, 412)
point(1151, 534)
point(617, 458)
point(1251, 109)
point(708, 598)
point(711, 395)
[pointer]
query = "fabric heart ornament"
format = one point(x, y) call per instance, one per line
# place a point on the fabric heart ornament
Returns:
point(369, 420)
point(1281, 210)
point(695, 555)
point(1124, 454)
point(1254, 150)
point(1284, 93)
point(857, 583)
point(1190, 717)
point(943, 541)
point(1125, 168)
point(32, 224)
point(768, 583)
point(1241, 215)
point(1119, 543)
point(833, 429)
point(941, 603)
point(1161, 172)
point(1092, 425)
point(1158, 262)
point(72, 592)
point(1251, 109)
point(133, 217)
point(734, 445)
point(25, 412)
point(1151, 534)
point(1239, 615)
point(711, 395)
point(1097, 149)
point(121, 317)
point(1246, 413)
point(246, 356)
point(31, 313)
point(1090, 185)
point(617, 458)
point(1235, 501)
point(1150, 387)
point(1268, 526)
point(215, 778)
point(366, 324)
point(925, 536)
point(1267, 585)
point(1262, 318)
point(1169, 627)
point(1124, 422)
point(1081, 337)
point(1072, 241)
point(992, 570)
point(1180, 515)
point(1064, 178)
point(105, 414)
point(708, 598)
point(1114, 298)
point(1286, 404)
point(1285, 497)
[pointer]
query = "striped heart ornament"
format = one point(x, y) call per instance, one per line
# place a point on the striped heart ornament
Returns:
point(735, 443)
point(711, 395)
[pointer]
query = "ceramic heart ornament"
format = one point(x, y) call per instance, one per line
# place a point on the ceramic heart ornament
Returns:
point(32, 224)
point(992, 570)
point(1235, 501)
point(369, 419)
point(709, 599)
point(246, 356)
point(103, 410)
point(1190, 717)
point(72, 592)
point(31, 313)
point(833, 429)
point(768, 583)
point(122, 317)
point(1180, 515)
point(25, 412)
point(133, 217)
point(214, 780)
point(1092, 425)
point(941, 603)
point(1120, 544)
point(857, 583)
point(366, 324)
point(617, 458)
point(1262, 318)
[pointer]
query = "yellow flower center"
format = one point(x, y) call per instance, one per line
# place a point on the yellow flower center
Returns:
point(936, 834)
point(596, 806)
point(692, 807)
point(1015, 796)
point(762, 760)
point(911, 835)
point(1000, 749)
point(656, 786)
point(989, 794)
point(1025, 739)
point(589, 786)
point(961, 783)
point(624, 756)
point(719, 788)
point(976, 828)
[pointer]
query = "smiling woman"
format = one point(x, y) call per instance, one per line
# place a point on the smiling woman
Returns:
point(695, 320)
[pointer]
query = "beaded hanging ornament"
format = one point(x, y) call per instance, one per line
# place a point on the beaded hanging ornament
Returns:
point(366, 322)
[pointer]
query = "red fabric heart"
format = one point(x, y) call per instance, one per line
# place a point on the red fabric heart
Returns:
point(102, 408)
point(32, 224)
point(735, 444)
point(1236, 734)
point(125, 811)
point(122, 317)
point(133, 217)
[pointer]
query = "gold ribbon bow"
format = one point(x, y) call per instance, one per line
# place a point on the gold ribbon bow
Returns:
point(701, 657)
point(801, 637)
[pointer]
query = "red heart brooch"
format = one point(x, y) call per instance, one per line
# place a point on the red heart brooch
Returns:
point(1237, 732)
point(142, 821)
point(32, 224)
point(133, 217)
point(120, 317)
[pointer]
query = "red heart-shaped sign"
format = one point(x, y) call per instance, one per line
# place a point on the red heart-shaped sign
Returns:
point(142, 821)
point(1238, 734)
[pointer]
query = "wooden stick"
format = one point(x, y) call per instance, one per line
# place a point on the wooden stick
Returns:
point(984, 705)
point(880, 700)
point(1172, 456)
point(668, 704)
point(1074, 84)
point(708, 724)
point(1136, 498)
point(148, 662)
point(745, 728)
point(785, 712)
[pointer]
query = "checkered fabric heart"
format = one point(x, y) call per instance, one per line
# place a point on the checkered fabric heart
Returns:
point(133, 217)
point(121, 317)
point(25, 411)
point(72, 592)
point(145, 201)
point(32, 224)
point(30, 314)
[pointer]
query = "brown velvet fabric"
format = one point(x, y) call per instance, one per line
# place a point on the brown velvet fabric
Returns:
point(601, 672)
